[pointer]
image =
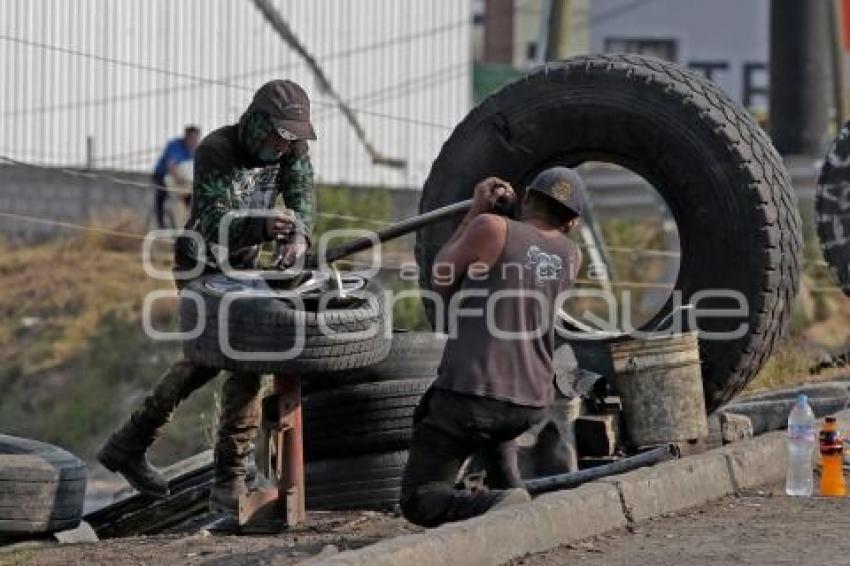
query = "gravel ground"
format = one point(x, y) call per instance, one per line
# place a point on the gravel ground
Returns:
point(326, 533)
point(763, 527)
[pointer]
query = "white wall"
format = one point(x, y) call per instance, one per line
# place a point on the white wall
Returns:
point(406, 59)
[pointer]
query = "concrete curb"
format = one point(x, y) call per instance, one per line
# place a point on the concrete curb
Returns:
point(562, 517)
point(551, 519)
point(672, 486)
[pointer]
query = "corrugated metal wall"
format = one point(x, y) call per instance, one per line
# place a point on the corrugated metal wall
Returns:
point(131, 74)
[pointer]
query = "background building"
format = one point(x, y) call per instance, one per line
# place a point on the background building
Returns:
point(127, 75)
point(726, 40)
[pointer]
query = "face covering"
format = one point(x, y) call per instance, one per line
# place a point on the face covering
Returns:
point(254, 129)
point(268, 154)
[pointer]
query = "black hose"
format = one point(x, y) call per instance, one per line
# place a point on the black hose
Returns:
point(573, 479)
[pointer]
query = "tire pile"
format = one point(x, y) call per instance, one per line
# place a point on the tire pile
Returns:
point(357, 425)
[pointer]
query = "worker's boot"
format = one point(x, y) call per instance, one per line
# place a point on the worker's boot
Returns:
point(240, 419)
point(126, 450)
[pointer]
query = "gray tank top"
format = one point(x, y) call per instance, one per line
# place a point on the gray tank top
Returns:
point(510, 358)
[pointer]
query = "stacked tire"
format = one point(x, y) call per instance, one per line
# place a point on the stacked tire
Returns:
point(331, 339)
point(358, 425)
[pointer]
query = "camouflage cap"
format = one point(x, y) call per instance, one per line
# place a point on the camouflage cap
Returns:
point(563, 185)
point(288, 107)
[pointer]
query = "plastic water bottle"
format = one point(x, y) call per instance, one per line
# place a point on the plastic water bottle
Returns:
point(801, 443)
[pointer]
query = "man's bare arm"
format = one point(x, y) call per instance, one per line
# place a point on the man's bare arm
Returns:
point(480, 243)
point(478, 239)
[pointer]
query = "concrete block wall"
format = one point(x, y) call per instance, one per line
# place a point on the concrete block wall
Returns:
point(54, 195)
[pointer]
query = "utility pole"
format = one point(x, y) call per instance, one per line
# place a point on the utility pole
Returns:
point(837, 62)
point(552, 45)
point(566, 26)
point(800, 78)
point(89, 153)
point(557, 29)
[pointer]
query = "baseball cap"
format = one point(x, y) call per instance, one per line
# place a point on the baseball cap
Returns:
point(288, 107)
point(563, 185)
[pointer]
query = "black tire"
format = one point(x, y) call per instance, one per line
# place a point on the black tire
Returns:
point(412, 355)
point(334, 339)
point(718, 172)
point(361, 419)
point(42, 487)
point(372, 481)
point(832, 208)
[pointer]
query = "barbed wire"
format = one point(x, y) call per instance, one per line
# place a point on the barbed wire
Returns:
point(70, 225)
point(354, 264)
point(646, 252)
point(137, 184)
point(93, 175)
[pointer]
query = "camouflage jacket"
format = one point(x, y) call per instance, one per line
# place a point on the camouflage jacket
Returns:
point(228, 183)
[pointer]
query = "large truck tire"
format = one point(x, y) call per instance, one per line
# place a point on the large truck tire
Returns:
point(718, 172)
point(832, 208)
point(334, 338)
point(42, 488)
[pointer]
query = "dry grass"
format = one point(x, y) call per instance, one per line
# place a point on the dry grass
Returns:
point(788, 366)
point(820, 324)
point(55, 295)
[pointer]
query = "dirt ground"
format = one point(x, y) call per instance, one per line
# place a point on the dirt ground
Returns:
point(764, 527)
point(326, 533)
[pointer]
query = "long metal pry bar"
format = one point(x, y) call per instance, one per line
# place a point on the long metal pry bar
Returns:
point(398, 229)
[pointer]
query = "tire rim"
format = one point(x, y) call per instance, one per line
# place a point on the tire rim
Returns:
point(317, 285)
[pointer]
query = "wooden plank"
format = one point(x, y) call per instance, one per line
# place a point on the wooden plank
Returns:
point(190, 481)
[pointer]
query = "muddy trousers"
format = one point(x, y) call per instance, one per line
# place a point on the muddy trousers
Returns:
point(240, 414)
point(448, 428)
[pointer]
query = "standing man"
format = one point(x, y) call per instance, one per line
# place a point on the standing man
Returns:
point(176, 152)
point(238, 167)
point(495, 378)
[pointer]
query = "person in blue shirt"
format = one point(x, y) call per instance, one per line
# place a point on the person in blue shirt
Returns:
point(176, 151)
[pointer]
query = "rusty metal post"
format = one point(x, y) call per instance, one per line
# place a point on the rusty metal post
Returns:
point(281, 507)
point(290, 450)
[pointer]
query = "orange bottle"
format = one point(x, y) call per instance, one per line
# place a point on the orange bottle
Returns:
point(832, 460)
